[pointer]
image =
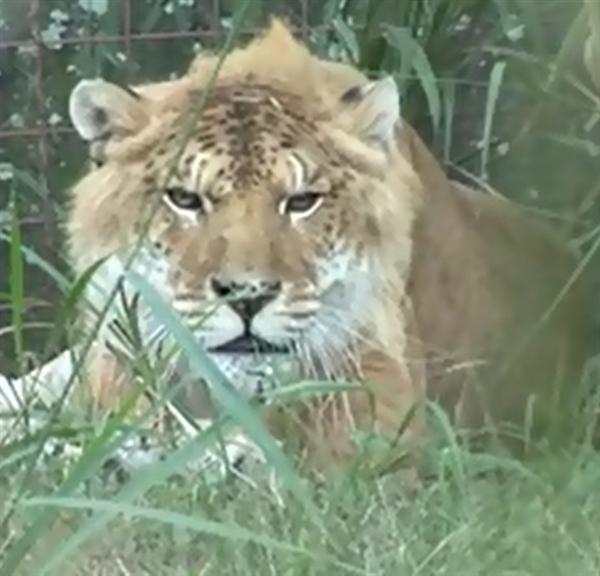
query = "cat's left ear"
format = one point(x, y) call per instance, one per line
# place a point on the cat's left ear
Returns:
point(372, 111)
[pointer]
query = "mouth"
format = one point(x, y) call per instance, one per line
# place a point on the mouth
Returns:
point(249, 344)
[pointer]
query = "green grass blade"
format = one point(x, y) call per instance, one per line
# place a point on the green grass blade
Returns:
point(449, 97)
point(402, 40)
point(298, 391)
point(456, 462)
point(16, 278)
point(15, 457)
point(70, 305)
point(348, 39)
point(496, 77)
point(32, 258)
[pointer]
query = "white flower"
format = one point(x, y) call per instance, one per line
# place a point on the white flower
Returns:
point(98, 7)
point(55, 119)
point(7, 172)
point(16, 121)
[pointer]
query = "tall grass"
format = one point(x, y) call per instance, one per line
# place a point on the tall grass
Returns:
point(476, 514)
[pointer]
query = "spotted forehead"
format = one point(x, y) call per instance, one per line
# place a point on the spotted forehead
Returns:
point(245, 128)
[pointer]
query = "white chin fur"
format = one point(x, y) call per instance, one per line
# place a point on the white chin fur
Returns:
point(249, 373)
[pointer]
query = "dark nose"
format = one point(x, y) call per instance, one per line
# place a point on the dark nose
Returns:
point(246, 298)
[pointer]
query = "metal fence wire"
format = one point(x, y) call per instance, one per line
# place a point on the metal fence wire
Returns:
point(113, 30)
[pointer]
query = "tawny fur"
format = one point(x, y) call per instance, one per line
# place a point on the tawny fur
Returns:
point(464, 276)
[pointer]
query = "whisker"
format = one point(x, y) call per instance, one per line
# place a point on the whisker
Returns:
point(323, 354)
point(333, 317)
point(308, 359)
point(338, 354)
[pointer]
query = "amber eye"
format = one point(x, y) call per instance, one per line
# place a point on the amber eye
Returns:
point(184, 200)
point(302, 205)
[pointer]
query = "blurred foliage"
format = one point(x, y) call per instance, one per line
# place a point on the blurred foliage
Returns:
point(497, 87)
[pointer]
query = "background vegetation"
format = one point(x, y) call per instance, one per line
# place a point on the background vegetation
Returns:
point(499, 90)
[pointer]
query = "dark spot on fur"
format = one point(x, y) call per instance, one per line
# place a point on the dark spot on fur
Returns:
point(258, 151)
point(230, 114)
point(372, 229)
point(271, 118)
point(231, 130)
point(208, 144)
point(219, 191)
point(205, 135)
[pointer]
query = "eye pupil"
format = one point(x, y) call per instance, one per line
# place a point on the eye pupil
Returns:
point(302, 202)
point(184, 199)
